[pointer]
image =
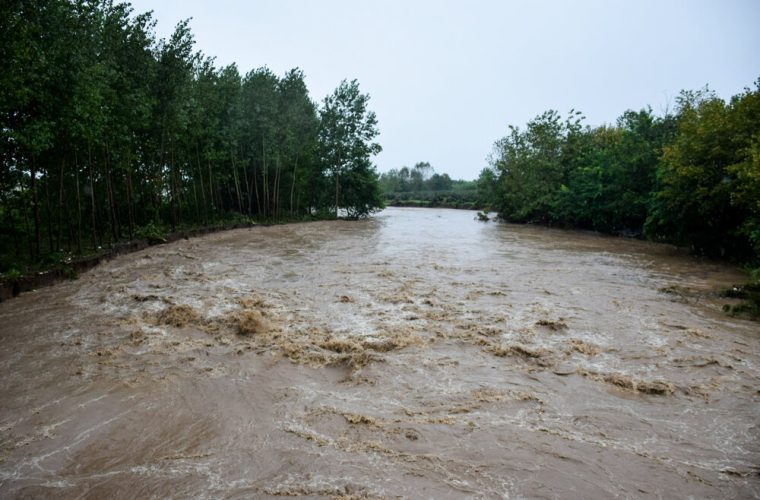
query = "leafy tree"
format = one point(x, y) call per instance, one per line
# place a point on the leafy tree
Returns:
point(693, 202)
point(610, 173)
point(298, 137)
point(744, 173)
point(530, 169)
point(361, 191)
point(439, 182)
point(346, 133)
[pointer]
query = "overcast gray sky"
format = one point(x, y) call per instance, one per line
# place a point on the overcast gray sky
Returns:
point(446, 78)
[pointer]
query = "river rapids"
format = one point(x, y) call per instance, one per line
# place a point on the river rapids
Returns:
point(416, 354)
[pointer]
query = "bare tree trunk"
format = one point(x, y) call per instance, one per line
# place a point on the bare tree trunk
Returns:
point(35, 210)
point(337, 189)
point(159, 178)
point(178, 186)
point(173, 187)
point(79, 205)
point(60, 205)
point(111, 198)
point(265, 172)
point(237, 184)
point(211, 186)
point(293, 185)
point(277, 177)
point(203, 188)
point(95, 233)
point(336, 193)
point(12, 225)
point(247, 189)
point(25, 208)
point(256, 189)
point(195, 201)
point(130, 199)
point(48, 215)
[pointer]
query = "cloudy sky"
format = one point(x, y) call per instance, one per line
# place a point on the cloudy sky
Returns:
point(447, 77)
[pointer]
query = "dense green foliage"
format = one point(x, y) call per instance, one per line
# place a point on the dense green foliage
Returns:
point(691, 177)
point(346, 135)
point(108, 134)
point(421, 186)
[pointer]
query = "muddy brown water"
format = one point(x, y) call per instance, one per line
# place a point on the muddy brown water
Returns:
point(418, 354)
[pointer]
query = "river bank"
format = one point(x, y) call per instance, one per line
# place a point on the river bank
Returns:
point(69, 268)
point(12, 286)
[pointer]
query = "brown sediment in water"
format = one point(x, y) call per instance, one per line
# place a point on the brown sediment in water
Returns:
point(539, 355)
point(180, 316)
point(584, 347)
point(412, 355)
point(624, 381)
point(493, 396)
point(249, 323)
point(552, 325)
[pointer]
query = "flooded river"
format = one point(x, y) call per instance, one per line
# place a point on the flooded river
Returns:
point(417, 354)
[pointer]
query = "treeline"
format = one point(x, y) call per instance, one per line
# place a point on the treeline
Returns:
point(421, 177)
point(109, 133)
point(422, 186)
point(691, 177)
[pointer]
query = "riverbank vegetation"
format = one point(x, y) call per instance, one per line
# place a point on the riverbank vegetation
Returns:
point(422, 186)
point(689, 177)
point(109, 134)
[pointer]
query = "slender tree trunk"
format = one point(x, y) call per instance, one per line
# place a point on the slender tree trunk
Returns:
point(11, 223)
point(96, 241)
point(160, 177)
point(237, 184)
point(336, 194)
point(79, 205)
point(337, 188)
point(265, 181)
point(111, 201)
point(60, 204)
point(173, 190)
point(247, 189)
point(195, 199)
point(277, 176)
point(35, 210)
point(130, 201)
point(27, 225)
point(293, 185)
point(256, 189)
point(48, 215)
point(203, 189)
point(237, 189)
point(178, 186)
point(211, 186)
point(16, 242)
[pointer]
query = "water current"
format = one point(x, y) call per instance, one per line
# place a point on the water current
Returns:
point(416, 354)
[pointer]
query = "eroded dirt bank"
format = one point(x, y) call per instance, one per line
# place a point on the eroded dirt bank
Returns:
point(417, 354)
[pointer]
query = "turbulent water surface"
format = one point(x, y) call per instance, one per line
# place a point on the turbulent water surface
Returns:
point(416, 354)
